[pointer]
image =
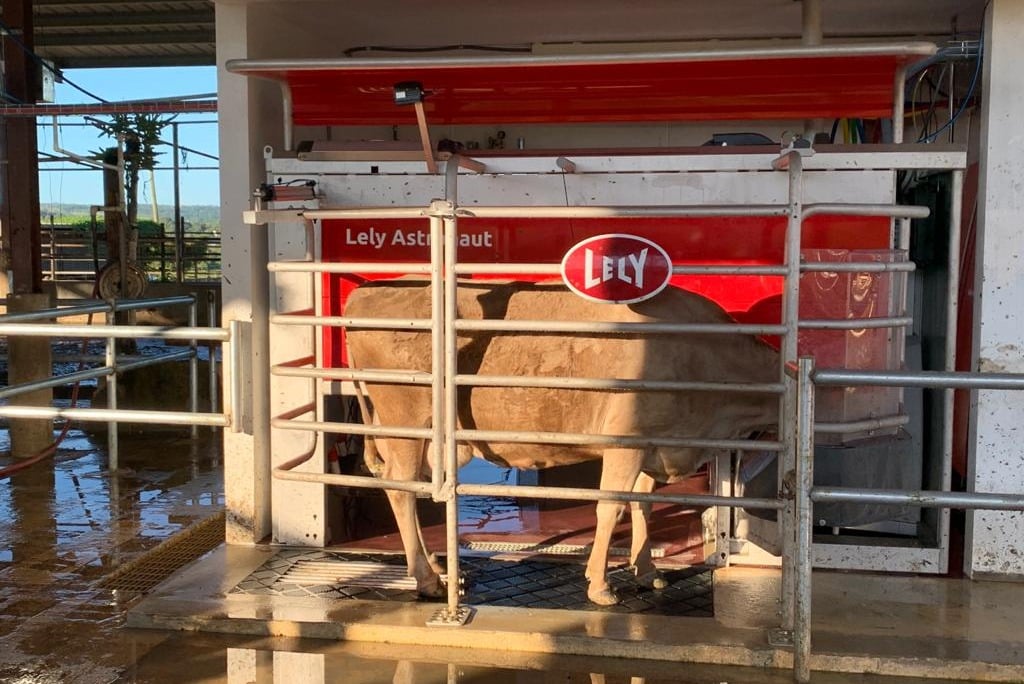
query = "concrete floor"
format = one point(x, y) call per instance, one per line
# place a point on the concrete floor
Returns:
point(69, 525)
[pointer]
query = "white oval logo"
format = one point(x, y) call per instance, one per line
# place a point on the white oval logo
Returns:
point(616, 268)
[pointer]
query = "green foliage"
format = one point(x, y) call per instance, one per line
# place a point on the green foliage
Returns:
point(141, 136)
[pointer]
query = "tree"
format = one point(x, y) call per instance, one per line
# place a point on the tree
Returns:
point(141, 136)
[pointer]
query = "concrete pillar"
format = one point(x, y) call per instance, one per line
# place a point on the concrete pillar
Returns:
point(993, 541)
point(28, 360)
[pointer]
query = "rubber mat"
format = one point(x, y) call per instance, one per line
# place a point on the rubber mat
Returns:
point(528, 583)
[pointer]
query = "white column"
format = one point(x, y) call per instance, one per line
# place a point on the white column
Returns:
point(994, 545)
point(246, 473)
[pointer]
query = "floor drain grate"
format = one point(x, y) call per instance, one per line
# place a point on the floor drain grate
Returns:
point(153, 567)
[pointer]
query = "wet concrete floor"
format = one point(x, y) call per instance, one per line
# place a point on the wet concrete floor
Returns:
point(68, 523)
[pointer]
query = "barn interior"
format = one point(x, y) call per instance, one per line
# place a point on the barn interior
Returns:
point(339, 142)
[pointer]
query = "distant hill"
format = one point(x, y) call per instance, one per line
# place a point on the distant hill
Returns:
point(196, 214)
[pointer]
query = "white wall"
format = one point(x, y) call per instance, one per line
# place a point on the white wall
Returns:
point(994, 542)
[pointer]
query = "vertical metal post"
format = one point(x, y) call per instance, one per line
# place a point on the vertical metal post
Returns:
point(193, 366)
point(235, 361)
point(53, 251)
point(437, 356)
point(898, 110)
point(211, 322)
point(451, 242)
point(952, 309)
point(178, 240)
point(787, 422)
point(110, 359)
point(259, 371)
point(804, 520)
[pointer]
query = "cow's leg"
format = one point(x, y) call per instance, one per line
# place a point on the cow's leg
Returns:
point(619, 471)
point(640, 549)
point(402, 462)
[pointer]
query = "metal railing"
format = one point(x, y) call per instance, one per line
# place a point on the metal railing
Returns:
point(806, 493)
point(797, 426)
point(68, 254)
point(36, 324)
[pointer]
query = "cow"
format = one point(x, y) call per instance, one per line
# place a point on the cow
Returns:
point(715, 357)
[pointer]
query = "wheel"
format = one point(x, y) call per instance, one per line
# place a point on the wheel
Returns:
point(108, 282)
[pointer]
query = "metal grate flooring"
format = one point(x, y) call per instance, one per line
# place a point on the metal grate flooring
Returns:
point(153, 567)
point(522, 584)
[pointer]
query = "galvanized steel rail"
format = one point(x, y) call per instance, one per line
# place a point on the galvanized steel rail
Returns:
point(26, 325)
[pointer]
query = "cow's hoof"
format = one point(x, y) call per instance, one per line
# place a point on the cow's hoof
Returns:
point(653, 580)
point(602, 597)
point(432, 590)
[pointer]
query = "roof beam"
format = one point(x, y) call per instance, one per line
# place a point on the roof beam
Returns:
point(123, 38)
point(64, 61)
point(105, 19)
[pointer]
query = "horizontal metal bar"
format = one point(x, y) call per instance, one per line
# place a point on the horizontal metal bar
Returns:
point(866, 210)
point(87, 308)
point(134, 304)
point(920, 498)
point(556, 382)
point(351, 322)
point(95, 415)
point(352, 481)
point(580, 494)
point(91, 373)
point(366, 213)
point(856, 323)
point(933, 379)
point(352, 428)
point(119, 332)
point(613, 327)
point(60, 312)
point(622, 211)
point(581, 439)
point(867, 424)
point(346, 267)
point(861, 267)
point(556, 269)
point(393, 377)
point(57, 381)
point(681, 56)
point(135, 364)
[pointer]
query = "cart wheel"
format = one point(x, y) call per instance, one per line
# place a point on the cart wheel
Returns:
point(108, 282)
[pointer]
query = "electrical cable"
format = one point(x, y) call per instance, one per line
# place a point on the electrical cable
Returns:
point(441, 48)
point(9, 33)
point(968, 96)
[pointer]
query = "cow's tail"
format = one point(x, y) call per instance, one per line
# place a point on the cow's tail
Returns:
point(371, 456)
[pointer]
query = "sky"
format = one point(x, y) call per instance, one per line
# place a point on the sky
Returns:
point(64, 183)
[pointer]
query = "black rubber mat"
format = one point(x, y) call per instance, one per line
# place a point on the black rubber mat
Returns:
point(491, 582)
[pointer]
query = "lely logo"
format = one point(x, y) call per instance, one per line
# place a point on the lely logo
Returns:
point(616, 268)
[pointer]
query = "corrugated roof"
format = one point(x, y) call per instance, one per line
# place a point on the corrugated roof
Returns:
point(124, 33)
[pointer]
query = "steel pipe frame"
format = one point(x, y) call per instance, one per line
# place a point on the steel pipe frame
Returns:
point(831, 377)
point(795, 213)
point(96, 307)
point(121, 332)
point(91, 374)
point(119, 415)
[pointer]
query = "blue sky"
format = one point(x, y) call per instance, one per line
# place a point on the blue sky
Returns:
point(64, 183)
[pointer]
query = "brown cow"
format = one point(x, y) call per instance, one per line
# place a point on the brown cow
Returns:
point(690, 414)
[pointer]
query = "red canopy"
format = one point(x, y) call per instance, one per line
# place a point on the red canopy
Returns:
point(779, 83)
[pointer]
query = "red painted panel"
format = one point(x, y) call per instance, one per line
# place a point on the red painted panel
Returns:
point(726, 89)
point(735, 240)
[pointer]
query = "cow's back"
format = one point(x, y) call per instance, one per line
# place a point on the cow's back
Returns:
point(699, 357)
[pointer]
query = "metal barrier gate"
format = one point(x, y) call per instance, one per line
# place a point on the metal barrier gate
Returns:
point(796, 425)
point(30, 325)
